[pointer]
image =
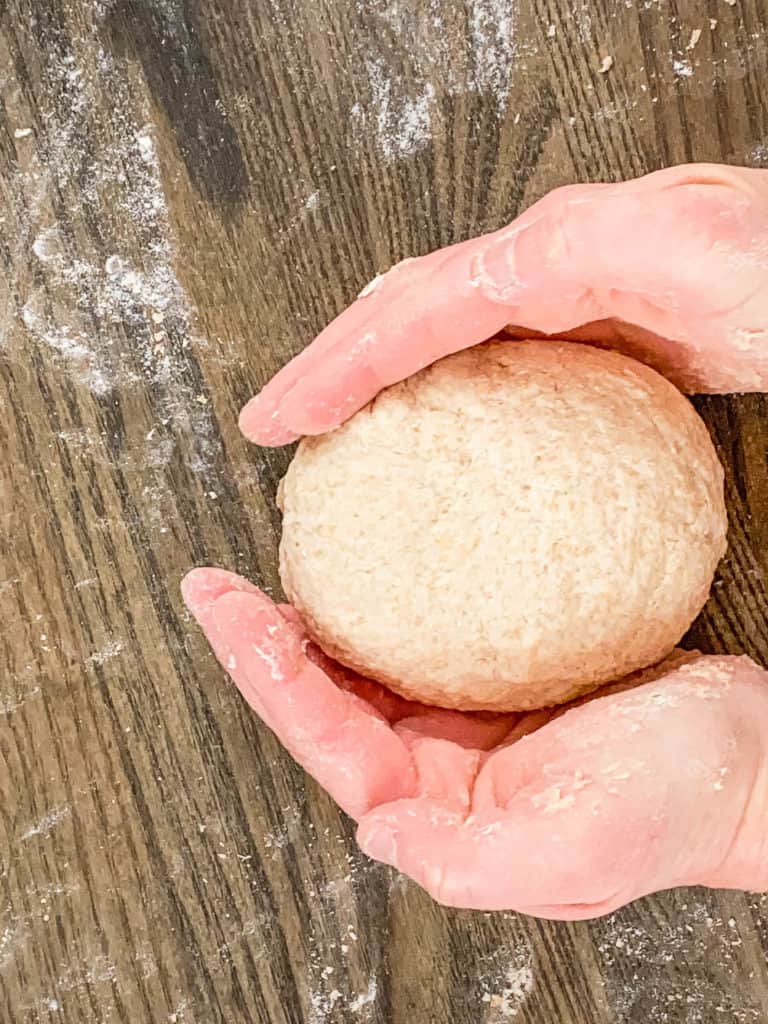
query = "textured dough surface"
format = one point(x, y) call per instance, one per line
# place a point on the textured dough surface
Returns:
point(512, 526)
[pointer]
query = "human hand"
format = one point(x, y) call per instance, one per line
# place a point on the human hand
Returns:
point(568, 813)
point(670, 268)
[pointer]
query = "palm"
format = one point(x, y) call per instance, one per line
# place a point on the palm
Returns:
point(565, 813)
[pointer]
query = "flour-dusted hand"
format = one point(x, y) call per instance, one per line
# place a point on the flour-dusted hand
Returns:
point(564, 814)
point(671, 268)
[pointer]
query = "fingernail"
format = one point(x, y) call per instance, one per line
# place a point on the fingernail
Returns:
point(200, 588)
point(262, 424)
point(203, 586)
point(378, 840)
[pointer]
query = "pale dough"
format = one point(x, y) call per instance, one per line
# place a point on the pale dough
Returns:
point(510, 527)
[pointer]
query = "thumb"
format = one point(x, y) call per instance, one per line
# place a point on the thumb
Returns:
point(494, 862)
point(662, 785)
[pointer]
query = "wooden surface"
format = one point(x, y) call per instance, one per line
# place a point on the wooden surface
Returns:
point(190, 189)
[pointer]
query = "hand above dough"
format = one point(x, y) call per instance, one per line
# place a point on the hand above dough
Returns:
point(565, 814)
point(671, 268)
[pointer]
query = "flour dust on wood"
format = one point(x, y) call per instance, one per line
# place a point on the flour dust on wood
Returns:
point(101, 296)
point(637, 960)
point(409, 50)
point(506, 980)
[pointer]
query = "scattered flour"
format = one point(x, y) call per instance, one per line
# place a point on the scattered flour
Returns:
point(401, 125)
point(321, 1004)
point(110, 650)
point(112, 324)
point(292, 828)
point(48, 822)
point(95, 970)
point(69, 343)
point(147, 148)
point(492, 26)
point(13, 938)
point(9, 704)
point(638, 955)
point(80, 975)
point(411, 53)
point(335, 993)
point(365, 998)
point(506, 986)
point(582, 18)
point(682, 68)
point(17, 929)
point(509, 1001)
point(758, 155)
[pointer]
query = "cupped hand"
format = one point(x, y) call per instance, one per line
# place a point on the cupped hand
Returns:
point(656, 782)
point(671, 268)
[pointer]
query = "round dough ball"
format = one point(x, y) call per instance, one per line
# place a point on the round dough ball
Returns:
point(510, 527)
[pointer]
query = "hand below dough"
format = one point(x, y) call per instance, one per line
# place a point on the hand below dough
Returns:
point(567, 813)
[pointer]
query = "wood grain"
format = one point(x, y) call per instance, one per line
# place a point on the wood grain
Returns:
point(189, 191)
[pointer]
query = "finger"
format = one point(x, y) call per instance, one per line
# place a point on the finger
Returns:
point(260, 420)
point(470, 730)
point(202, 587)
point(343, 743)
point(476, 862)
point(390, 705)
point(473, 730)
point(446, 771)
point(483, 863)
point(679, 255)
point(448, 748)
point(499, 862)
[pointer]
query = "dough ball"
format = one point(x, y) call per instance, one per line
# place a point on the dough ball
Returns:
point(511, 527)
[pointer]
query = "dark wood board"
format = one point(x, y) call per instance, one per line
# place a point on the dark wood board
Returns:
point(189, 191)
